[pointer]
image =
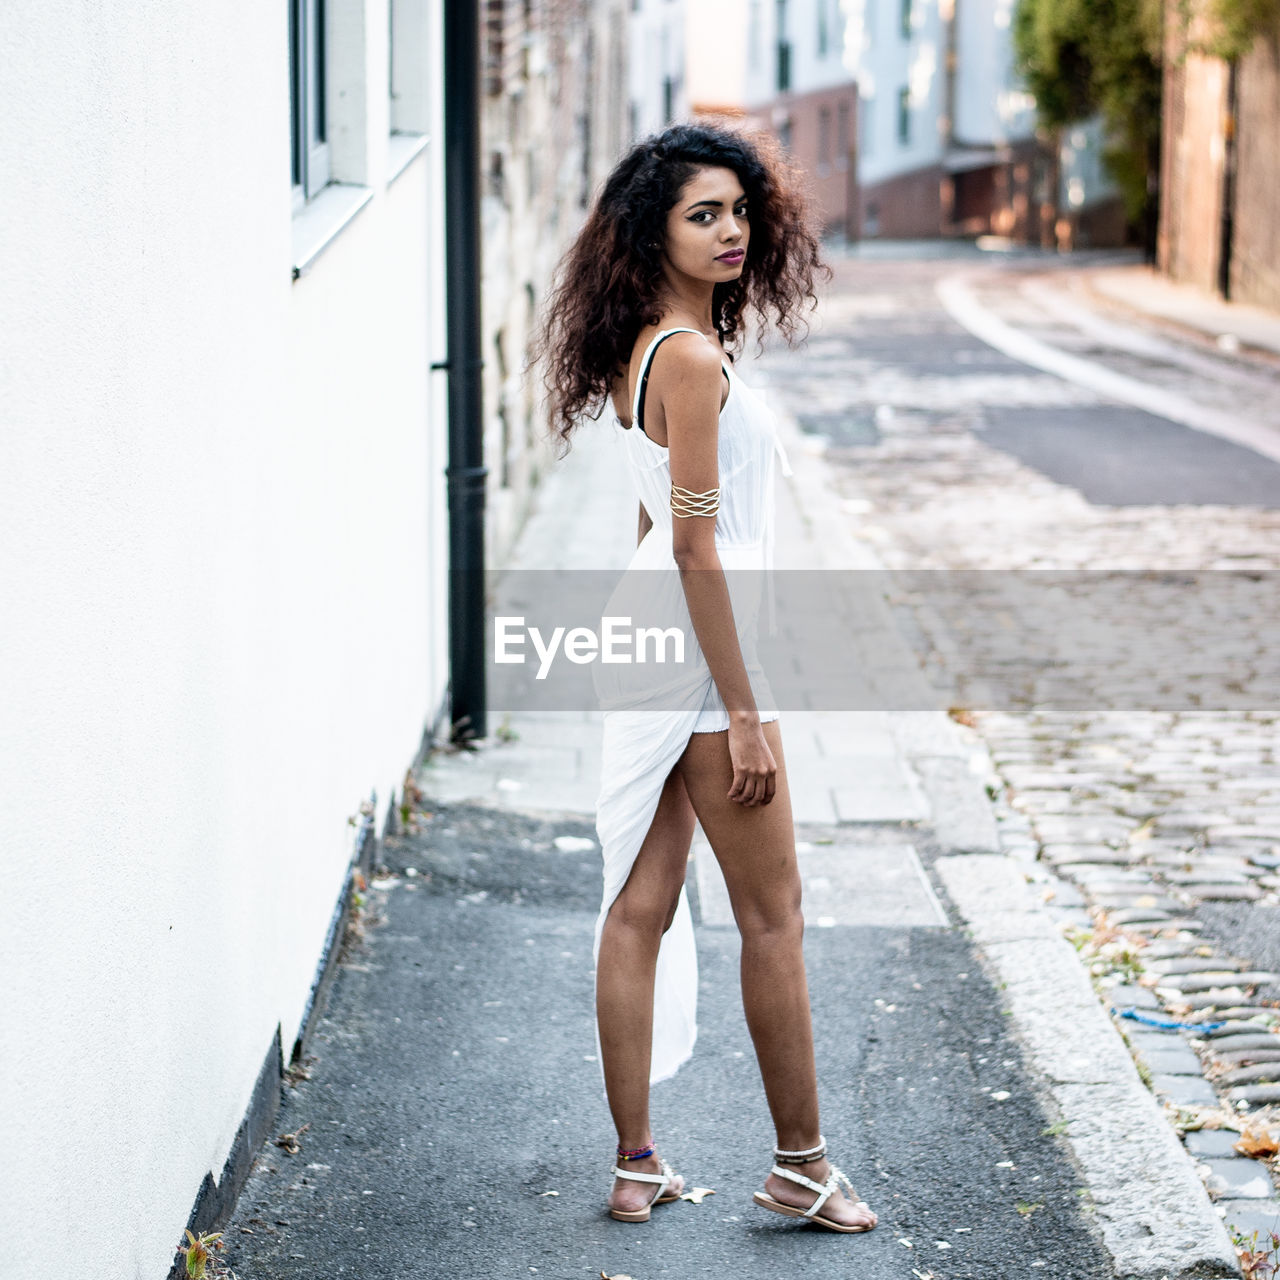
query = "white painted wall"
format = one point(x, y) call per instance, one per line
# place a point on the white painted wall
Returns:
point(222, 556)
point(884, 61)
point(992, 107)
point(657, 52)
point(812, 67)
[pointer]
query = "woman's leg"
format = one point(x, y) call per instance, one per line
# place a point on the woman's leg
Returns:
point(755, 847)
point(633, 929)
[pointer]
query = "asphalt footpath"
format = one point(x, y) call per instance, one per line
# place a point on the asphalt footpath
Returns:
point(456, 1126)
point(453, 1123)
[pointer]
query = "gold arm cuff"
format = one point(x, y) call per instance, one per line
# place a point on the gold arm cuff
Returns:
point(684, 502)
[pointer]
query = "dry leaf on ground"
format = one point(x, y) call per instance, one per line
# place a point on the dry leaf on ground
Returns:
point(697, 1195)
point(289, 1141)
point(1259, 1140)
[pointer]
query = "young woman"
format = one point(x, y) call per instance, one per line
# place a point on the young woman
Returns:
point(693, 226)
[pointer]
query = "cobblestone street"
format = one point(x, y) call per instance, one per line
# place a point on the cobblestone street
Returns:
point(1153, 828)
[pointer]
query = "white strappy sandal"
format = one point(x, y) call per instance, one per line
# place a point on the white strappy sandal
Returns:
point(825, 1190)
point(663, 1180)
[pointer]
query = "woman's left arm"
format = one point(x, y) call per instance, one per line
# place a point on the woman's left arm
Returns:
point(645, 525)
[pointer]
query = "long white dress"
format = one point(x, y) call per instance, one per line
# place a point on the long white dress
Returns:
point(647, 729)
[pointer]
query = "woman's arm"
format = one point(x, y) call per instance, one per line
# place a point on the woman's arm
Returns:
point(645, 525)
point(688, 388)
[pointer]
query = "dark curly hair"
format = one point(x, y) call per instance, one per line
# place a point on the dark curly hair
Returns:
point(606, 287)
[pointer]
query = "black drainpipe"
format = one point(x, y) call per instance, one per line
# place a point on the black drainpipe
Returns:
point(465, 472)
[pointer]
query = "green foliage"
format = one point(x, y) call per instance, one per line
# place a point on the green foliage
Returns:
point(1227, 28)
point(1079, 57)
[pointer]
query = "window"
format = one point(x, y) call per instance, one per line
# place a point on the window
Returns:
point(824, 30)
point(906, 15)
point(307, 64)
point(842, 135)
point(866, 133)
point(904, 117)
point(824, 142)
point(784, 133)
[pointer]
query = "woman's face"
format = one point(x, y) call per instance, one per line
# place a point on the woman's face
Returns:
point(708, 221)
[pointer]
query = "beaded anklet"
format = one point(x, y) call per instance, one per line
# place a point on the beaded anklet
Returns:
point(640, 1153)
point(801, 1157)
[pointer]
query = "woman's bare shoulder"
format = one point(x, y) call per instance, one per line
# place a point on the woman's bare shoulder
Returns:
point(687, 358)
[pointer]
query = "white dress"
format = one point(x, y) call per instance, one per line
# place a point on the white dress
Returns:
point(646, 728)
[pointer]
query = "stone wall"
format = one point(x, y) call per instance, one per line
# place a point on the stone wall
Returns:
point(1255, 259)
point(1197, 118)
point(554, 121)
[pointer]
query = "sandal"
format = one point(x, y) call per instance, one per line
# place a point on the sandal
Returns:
point(662, 1195)
point(835, 1180)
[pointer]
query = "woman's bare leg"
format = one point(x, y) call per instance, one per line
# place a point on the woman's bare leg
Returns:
point(633, 929)
point(755, 846)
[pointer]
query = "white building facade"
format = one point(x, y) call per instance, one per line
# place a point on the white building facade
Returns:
point(658, 90)
point(947, 143)
point(798, 85)
point(225, 559)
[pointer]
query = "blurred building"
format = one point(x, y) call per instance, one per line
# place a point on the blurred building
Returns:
point(796, 82)
point(947, 140)
point(658, 39)
point(225, 562)
point(556, 118)
point(1220, 168)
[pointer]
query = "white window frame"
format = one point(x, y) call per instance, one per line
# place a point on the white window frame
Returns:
point(410, 41)
point(308, 55)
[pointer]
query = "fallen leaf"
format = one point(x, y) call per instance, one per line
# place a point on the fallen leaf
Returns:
point(697, 1195)
point(1261, 1141)
point(289, 1141)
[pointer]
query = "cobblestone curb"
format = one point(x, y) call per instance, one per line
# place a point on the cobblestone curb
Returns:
point(1155, 1216)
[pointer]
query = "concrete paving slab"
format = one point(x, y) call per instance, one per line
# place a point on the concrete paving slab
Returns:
point(872, 803)
point(865, 884)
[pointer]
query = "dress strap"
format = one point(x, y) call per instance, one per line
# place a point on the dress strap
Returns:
point(637, 403)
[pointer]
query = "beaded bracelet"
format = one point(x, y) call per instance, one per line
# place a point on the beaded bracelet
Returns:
point(640, 1153)
point(802, 1157)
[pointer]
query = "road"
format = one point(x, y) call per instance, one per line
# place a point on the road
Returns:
point(1154, 788)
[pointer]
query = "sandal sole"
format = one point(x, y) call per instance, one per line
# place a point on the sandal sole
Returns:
point(642, 1215)
point(766, 1201)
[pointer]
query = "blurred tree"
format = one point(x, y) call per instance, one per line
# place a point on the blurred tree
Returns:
point(1226, 28)
point(1079, 57)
